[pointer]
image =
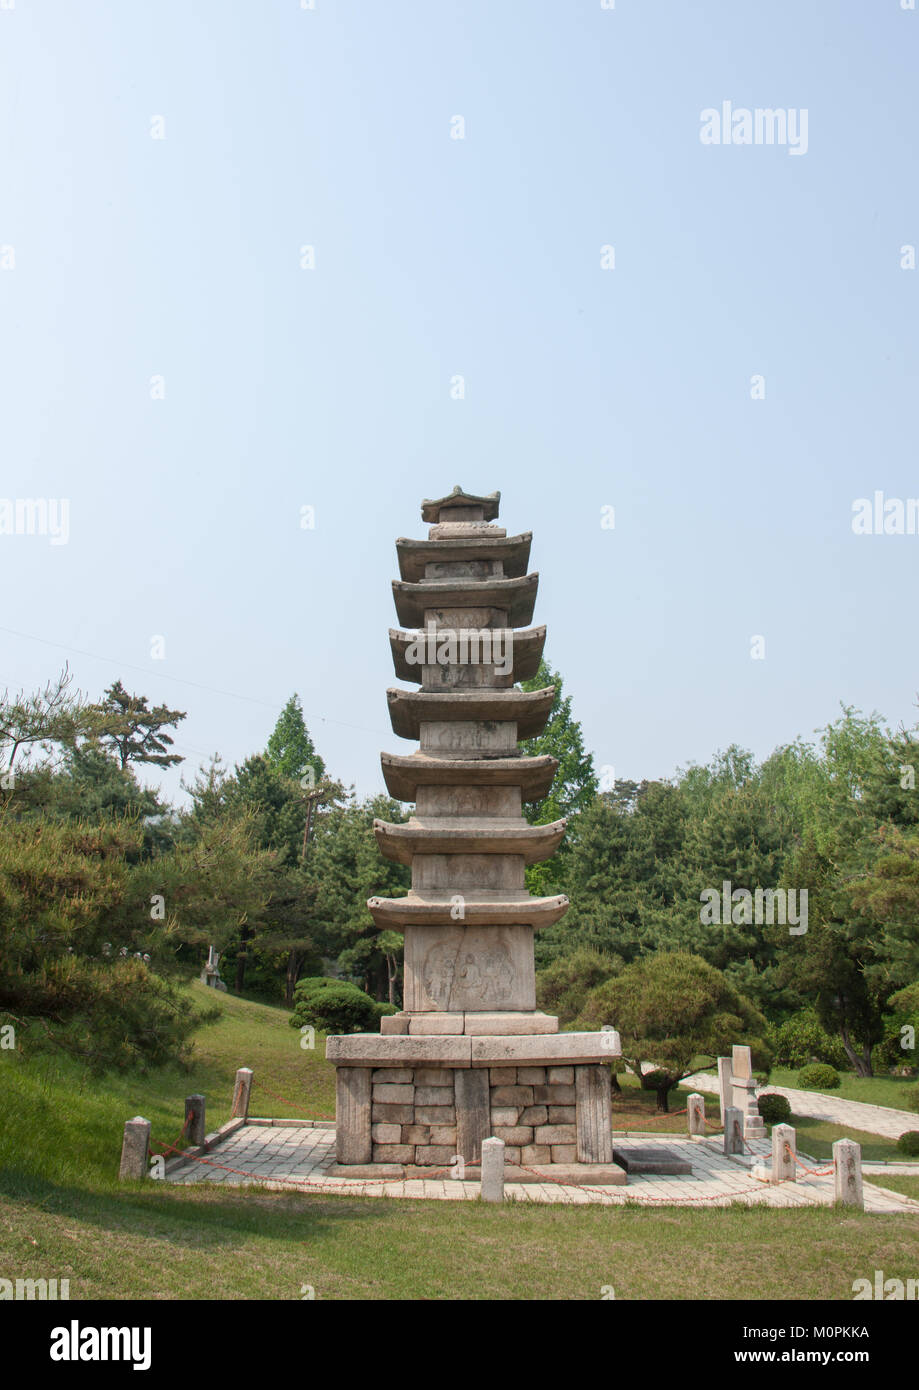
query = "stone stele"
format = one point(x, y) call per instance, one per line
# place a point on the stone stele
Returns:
point(474, 1057)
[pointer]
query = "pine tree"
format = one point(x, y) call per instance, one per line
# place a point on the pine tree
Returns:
point(134, 731)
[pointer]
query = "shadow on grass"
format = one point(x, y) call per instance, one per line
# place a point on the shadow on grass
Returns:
point(194, 1216)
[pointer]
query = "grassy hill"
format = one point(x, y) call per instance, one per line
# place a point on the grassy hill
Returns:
point(63, 1213)
point(60, 1123)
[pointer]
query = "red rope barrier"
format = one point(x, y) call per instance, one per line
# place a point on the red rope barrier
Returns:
point(156, 1154)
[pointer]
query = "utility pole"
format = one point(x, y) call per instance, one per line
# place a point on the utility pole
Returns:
point(312, 799)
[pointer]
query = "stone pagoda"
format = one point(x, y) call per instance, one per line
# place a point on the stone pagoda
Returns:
point(469, 1055)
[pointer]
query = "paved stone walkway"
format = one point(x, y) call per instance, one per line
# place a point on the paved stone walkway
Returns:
point(856, 1114)
point(286, 1157)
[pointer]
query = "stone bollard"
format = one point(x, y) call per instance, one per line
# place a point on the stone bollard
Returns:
point(695, 1106)
point(847, 1161)
point(733, 1131)
point(241, 1092)
point(493, 1170)
point(135, 1148)
point(194, 1119)
point(725, 1084)
point(783, 1162)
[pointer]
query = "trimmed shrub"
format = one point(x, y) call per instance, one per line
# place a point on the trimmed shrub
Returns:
point(908, 1143)
point(384, 1010)
point(818, 1078)
point(775, 1109)
point(801, 1038)
point(333, 1006)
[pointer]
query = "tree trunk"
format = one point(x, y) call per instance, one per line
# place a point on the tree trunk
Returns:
point(241, 960)
point(614, 1082)
point(294, 965)
point(859, 1065)
point(392, 971)
point(663, 1104)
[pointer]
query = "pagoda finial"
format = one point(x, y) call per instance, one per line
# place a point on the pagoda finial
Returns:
point(460, 505)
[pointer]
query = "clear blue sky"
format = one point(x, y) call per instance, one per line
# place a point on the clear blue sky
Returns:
point(284, 387)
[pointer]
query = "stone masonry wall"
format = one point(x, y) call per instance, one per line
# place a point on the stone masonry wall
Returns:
point(532, 1108)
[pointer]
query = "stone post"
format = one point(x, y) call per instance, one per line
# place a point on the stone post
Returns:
point(733, 1131)
point(493, 1170)
point(241, 1093)
point(743, 1093)
point(473, 1117)
point(783, 1163)
point(194, 1119)
point(847, 1160)
point(134, 1148)
point(593, 1097)
point(725, 1099)
point(352, 1115)
point(695, 1106)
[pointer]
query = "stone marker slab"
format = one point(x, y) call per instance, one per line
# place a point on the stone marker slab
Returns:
point(725, 1094)
point(656, 1160)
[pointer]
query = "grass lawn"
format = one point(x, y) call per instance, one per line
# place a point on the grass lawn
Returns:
point(64, 1214)
point(161, 1243)
point(892, 1091)
point(898, 1182)
point(816, 1137)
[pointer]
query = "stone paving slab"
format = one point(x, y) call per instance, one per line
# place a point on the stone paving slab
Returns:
point(857, 1114)
point(281, 1158)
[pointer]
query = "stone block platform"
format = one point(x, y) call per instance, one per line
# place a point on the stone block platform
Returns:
point(291, 1155)
point(465, 1089)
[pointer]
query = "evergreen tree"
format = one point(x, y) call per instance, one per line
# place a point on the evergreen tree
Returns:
point(135, 732)
point(290, 749)
point(574, 786)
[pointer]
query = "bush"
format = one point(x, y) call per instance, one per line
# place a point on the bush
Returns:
point(801, 1038)
point(671, 1009)
point(385, 1010)
point(333, 1006)
point(775, 1109)
point(901, 1026)
point(908, 1143)
point(818, 1078)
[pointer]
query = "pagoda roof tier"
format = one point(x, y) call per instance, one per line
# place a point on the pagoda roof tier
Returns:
point(512, 551)
point(467, 835)
point(516, 596)
point(430, 509)
point(529, 709)
point(437, 908)
point(526, 645)
point(405, 774)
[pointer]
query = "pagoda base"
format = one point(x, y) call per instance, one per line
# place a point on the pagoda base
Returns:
point(423, 1101)
point(574, 1174)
